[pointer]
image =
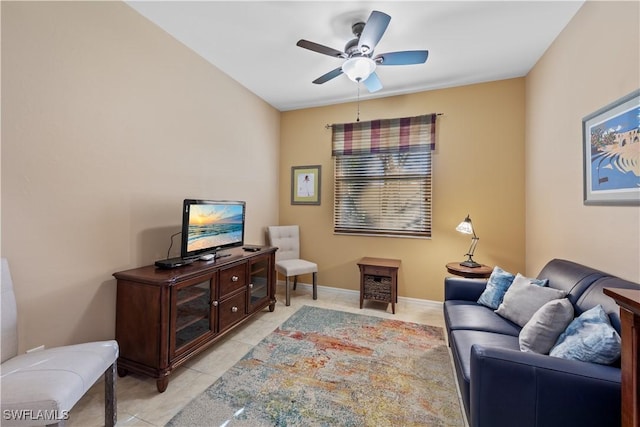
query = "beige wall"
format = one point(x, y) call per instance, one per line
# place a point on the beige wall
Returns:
point(107, 124)
point(478, 169)
point(593, 62)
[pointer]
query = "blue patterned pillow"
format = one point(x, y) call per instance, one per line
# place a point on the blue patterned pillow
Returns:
point(589, 338)
point(497, 286)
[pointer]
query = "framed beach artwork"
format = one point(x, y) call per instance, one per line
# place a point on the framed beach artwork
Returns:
point(305, 185)
point(611, 144)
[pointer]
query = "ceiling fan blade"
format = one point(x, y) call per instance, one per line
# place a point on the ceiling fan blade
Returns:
point(407, 57)
point(330, 75)
point(321, 49)
point(373, 83)
point(373, 30)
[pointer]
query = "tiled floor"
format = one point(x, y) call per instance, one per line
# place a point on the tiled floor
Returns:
point(140, 404)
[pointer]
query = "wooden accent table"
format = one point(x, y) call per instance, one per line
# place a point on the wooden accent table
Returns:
point(629, 302)
point(484, 271)
point(379, 280)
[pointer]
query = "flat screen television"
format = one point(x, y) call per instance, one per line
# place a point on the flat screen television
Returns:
point(209, 226)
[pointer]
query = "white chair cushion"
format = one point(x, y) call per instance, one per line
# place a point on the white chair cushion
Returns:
point(53, 379)
point(295, 267)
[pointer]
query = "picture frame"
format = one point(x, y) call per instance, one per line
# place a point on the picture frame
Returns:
point(305, 185)
point(611, 153)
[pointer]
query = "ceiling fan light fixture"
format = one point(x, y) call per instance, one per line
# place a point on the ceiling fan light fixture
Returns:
point(358, 68)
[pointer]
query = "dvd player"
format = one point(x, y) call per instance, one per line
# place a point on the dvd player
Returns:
point(173, 262)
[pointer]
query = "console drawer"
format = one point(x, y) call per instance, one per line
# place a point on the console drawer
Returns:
point(232, 279)
point(374, 270)
point(232, 310)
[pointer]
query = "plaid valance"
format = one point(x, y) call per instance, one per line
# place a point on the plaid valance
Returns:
point(385, 136)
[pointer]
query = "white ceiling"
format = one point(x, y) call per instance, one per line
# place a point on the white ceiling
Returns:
point(255, 42)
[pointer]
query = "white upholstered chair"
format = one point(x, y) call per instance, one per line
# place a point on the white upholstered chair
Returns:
point(41, 387)
point(288, 263)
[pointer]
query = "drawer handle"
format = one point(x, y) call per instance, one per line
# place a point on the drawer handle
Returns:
point(250, 285)
point(234, 278)
point(234, 309)
point(214, 303)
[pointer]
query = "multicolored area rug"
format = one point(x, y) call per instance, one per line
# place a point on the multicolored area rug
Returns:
point(331, 368)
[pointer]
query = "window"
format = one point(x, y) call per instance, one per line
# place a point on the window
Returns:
point(383, 177)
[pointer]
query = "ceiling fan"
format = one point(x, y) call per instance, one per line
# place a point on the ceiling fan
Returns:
point(360, 64)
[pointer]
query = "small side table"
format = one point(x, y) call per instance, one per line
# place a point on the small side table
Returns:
point(379, 280)
point(484, 271)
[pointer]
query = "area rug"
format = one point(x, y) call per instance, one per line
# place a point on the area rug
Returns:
point(331, 368)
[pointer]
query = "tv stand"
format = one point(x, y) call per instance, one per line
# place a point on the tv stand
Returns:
point(165, 317)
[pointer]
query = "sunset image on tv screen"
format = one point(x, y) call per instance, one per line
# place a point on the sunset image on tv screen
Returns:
point(211, 226)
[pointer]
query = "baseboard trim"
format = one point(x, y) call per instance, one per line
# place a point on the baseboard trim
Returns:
point(417, 301)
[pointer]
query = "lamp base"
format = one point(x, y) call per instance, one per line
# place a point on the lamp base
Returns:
point(470, 264)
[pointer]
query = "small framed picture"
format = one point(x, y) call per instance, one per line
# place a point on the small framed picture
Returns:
point(611, 153)
point(305, 185)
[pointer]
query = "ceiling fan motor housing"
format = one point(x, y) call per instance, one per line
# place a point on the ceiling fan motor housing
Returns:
point(351, 48)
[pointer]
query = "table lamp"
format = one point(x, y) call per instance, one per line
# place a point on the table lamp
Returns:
point(466, 227)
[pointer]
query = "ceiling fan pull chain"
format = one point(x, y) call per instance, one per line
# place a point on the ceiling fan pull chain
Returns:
point(358, 118)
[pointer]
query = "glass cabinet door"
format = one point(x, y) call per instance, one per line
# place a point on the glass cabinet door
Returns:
point(258, 281)
point(193, 316)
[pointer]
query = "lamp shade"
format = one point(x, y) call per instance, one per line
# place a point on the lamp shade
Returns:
point(358, 68)
point(465, 226)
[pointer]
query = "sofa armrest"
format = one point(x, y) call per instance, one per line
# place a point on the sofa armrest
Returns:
point(463, 289)
point(510, 387)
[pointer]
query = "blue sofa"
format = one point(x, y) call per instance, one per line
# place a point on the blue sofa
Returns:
point(502, 386)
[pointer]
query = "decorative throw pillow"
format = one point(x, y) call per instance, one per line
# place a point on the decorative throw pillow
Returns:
point(589, 338)
point(541, 332)
point(539, 282)
point(497, 285)
point(523, 299)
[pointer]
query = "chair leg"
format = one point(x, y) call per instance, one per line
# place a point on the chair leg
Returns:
point(110, 403)
point(315, 286)
point(287, 291)
point(295, 282)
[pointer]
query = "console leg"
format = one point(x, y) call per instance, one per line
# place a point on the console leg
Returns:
point(122, 372)
point(162, 383)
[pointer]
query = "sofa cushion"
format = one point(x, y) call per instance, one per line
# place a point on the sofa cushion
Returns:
point(589, 338)
point(541, 332)
point(459, 314)
point(461, 342)
point(523, 299)
point(522, 279)
point(497, 285)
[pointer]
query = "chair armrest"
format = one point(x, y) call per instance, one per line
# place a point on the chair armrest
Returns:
point(463, 289)
point(540, 390)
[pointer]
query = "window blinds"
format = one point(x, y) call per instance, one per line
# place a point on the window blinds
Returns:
point(383, 176)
